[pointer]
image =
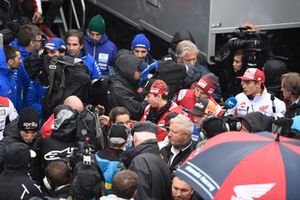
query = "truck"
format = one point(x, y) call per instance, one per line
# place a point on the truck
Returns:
point(210, 21)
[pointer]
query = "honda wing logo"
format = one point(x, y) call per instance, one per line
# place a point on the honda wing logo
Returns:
point(249, 192)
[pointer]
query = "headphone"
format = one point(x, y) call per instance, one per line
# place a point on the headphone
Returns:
point(220, 124)
point(232, 123)
point(46, 181)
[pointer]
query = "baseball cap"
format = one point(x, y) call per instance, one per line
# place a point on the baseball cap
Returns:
point(253, 74)
point(145, 127)
point(204, 106)
point(208, 83)
point(55, 44)
point(158, 87)
point(118, 133)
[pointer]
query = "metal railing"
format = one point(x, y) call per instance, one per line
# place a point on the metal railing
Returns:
point(73, 12)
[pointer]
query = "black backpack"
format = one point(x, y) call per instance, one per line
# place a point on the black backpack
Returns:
point(98, 93)
point(66, 77)
point(88, 128)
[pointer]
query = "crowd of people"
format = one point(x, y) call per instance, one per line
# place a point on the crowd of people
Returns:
point(147, 115)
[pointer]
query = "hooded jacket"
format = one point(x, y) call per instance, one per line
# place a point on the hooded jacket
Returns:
point(62, 142)
point(17, 156)
point(122, 86)
point(11, 135)
point(104, 52)
point(258, 122)
point(154, 175)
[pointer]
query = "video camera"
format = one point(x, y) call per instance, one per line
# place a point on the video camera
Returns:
point(255, 46)
point(82, 154)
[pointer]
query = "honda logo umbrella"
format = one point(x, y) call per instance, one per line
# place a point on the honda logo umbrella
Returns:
point(245, 166)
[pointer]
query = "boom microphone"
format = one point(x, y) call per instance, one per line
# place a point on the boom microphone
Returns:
point(230, 103)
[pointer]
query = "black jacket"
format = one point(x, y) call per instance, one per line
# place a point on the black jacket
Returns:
point(185, 151)
point(292, 110)
point(154, 175)
point(122, 87)
point(60, 145)
point(16, 184)
point(150, 146)
point(11, 134)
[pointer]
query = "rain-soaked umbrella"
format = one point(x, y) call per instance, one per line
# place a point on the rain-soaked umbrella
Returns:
point(245, 166)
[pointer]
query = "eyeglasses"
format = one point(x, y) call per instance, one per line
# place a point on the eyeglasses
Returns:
point(41, 40)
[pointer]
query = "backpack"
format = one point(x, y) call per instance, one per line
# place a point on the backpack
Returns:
point(109, 169)
point(88, 128)
point(98, 93)
point(66, 77)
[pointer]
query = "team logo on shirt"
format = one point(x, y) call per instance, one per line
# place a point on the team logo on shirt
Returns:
point(243, 105)
point(2, 112)
point(263, 108)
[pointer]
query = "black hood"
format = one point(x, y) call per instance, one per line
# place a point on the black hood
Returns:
point(273, 70)
point(16, 157)
point(258, 122)
point(180, 36)
point(126, 64)
point(65, 121)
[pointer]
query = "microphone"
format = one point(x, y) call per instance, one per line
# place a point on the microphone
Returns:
point(230, 103)
point(273, 104)
point(2, 53)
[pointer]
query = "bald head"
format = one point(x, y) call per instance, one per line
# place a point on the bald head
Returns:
point(74, 102)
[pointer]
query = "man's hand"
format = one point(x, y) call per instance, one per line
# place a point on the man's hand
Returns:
point(250, 27)
point(100, 109)
point(104, 120)
point(37, 16)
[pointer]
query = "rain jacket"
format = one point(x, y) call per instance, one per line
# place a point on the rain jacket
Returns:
point(34, 98)
point(123, 87)
point(11, 134)
point(154, 175)
point(103, 52)
point(62, 140)
point(14, 181)
point(8, 85)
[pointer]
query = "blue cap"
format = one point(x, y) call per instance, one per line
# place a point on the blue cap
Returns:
point(140, 41)
point(55, 44)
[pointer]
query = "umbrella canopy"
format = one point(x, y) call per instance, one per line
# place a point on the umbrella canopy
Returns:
point(236, 165)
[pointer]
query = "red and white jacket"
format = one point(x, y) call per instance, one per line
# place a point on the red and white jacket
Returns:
point(163, 121)
point(7, 109)
point(260, 103)
point(187, 100)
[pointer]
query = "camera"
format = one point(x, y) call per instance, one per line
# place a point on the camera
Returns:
point(255, 46)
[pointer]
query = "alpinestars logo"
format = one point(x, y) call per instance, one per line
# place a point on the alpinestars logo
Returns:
point(57, 154)
point(249, 192)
